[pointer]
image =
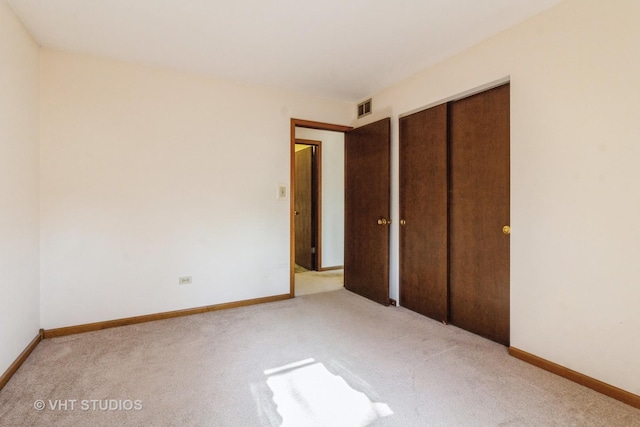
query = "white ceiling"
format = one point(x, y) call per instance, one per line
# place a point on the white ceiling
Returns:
point(344, 49)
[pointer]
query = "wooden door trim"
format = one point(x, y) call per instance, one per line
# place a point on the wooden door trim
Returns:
point(461, 95)
point(317, 189)
point(292, 154)
point(317, 125)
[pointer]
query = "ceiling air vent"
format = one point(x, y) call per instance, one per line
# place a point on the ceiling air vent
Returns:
point(364, 108)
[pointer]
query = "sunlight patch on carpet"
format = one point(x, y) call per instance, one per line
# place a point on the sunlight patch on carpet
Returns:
point(306, 393)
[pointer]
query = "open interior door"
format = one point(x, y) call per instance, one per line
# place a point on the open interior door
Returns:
point(303, 208)
point(367, 210)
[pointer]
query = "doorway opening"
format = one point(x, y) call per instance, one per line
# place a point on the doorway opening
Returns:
point(317, 207)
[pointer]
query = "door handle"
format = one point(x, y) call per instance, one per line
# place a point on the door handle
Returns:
point(506, 229)
point(403, 222)
point(384, 221)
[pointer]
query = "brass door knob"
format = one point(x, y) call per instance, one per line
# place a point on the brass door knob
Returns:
point(403, 222)
point(506, 229)
point(383, 221)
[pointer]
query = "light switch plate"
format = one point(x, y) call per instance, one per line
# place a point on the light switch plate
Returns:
point(282, 191)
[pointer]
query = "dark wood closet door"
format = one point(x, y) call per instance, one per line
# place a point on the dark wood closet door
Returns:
point(367, 207)
point(479, 209)
point(303, 208)
point(423, 212)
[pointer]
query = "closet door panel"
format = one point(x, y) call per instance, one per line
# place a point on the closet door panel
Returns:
point(479, 209)
point(423, 212)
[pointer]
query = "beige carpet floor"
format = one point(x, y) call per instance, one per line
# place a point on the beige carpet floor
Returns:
point(299, 269)
point(332, 359)
point(312, 282)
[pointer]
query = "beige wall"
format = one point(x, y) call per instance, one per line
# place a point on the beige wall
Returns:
point(19, 265)
point(148, 175)
point(575, 203)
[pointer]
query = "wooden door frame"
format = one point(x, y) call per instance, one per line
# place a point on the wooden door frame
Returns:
point(292, 155)
point(316, 198)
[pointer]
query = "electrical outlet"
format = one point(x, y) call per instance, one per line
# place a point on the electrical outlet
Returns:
point(185, 280)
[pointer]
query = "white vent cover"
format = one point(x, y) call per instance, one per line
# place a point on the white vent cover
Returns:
point(364, 108)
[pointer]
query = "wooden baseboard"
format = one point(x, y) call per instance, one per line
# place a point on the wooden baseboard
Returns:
point(335, 267)
point(4, 379)
point(89, 327)
point(58, 332)
point(577, 377)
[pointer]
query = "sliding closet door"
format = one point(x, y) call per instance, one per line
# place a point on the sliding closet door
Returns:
point(423, 212)
point(367, 209)
point(479, 210)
